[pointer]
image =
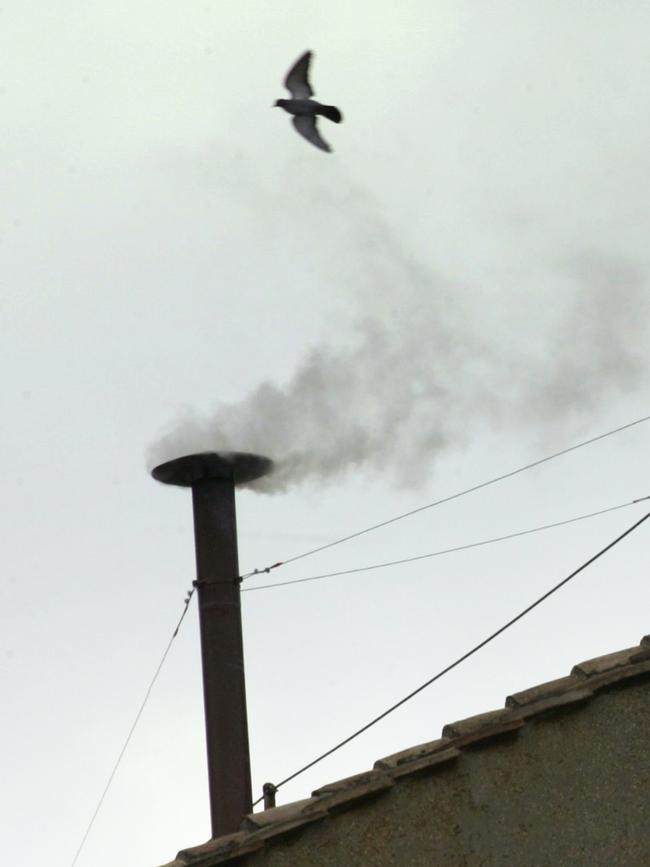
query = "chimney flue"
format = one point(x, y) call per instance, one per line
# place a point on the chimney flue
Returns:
point(212, 477)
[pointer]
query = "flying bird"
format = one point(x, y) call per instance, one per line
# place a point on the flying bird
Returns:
point(303, 108)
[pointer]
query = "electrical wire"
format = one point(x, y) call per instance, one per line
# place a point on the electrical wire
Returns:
point(190, 593)
point(444, 550)
point(462, 658)
point(448, 499)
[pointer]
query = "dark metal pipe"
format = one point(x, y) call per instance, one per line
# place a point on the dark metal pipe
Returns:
point(222, 652)
point(212, 478)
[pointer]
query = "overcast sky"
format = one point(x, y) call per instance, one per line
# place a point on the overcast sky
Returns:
point(460, 288)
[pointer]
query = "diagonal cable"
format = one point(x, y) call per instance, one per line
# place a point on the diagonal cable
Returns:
point(462, 658)
point(132, 729)
point(444, 550)
point(448, 499)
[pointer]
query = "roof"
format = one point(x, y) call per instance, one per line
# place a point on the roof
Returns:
point(586, 679)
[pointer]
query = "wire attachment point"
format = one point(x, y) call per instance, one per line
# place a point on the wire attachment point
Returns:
point(266, 570)
point(269, 790)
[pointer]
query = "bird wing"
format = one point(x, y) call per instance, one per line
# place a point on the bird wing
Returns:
point(306, 126)
point(297, 82)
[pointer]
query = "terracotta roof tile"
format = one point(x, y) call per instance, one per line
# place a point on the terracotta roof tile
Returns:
point(343, 793)
point(413, 754)
point(483, 725)
point(612, 661)
point(297, 811)
point(218, 850)
point(414, 761)
point(369, 781)
point(547, 696)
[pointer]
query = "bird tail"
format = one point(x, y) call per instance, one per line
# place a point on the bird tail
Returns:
point(331, 112)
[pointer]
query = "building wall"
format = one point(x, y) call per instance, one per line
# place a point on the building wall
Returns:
point(569, 788)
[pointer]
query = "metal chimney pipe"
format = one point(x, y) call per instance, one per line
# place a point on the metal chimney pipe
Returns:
point(212, 477)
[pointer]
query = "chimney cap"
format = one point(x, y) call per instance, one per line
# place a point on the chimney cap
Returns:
point(239, 467)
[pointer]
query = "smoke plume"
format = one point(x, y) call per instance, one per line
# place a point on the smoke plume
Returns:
point(429, 366)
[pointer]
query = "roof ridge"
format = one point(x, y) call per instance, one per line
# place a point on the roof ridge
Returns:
point(586, 679)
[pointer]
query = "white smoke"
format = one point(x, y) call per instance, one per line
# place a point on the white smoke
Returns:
point(422, 373)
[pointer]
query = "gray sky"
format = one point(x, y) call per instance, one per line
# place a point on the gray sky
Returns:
point(460, 288)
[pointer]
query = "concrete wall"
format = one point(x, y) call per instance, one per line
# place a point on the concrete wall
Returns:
point(570, 788)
